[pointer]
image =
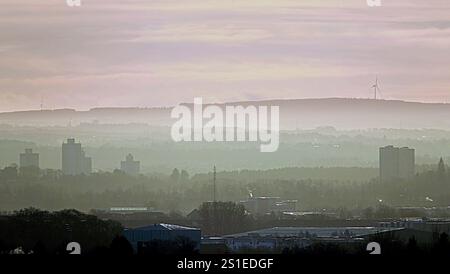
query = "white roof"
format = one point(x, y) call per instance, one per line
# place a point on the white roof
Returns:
point(318, 231)
point(164, 227)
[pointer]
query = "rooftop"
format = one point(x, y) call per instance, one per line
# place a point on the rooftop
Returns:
point(164, 227)
point(317, 231)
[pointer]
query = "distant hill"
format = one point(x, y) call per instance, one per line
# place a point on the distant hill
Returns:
point(65, 117)
point(341, 113)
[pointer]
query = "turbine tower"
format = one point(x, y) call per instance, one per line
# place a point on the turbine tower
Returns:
point(376, 88)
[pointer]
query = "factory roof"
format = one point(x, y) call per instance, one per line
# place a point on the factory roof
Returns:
point(164, 227)
point(316, 231)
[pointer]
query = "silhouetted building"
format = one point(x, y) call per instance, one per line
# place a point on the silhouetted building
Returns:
point(74, 160)
point(130, 166)
point(29, 159)
point(396, 163)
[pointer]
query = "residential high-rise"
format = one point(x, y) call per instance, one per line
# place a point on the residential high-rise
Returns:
point(130, 166)
point(74, 160)
point(396, 163)
point(29, 159)
point(406, 163)
point(389, 163)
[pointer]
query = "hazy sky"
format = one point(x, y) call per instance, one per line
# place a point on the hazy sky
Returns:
point(150, 53)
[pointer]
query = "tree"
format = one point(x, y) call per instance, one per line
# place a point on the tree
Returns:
point(30, 172)
point(368, 213)
point(9, 173)
point(412, 248)
point(442, 245)
point(385, 211)
point(121, 246)
point(50, 232)
point(184, 175)
point(220, 218)
point(344, 213)
point(175, 176)
point(39, 248)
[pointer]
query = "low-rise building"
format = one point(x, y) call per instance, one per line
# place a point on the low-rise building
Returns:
point(265, 205)
point(278, 238)
point(427, 225)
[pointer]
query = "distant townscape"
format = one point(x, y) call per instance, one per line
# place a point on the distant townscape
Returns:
point(74, 161)
point(295, 210)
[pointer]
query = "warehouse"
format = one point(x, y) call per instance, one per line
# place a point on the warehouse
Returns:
point(161, 232)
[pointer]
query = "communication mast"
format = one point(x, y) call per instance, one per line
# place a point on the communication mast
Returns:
point(214, 184)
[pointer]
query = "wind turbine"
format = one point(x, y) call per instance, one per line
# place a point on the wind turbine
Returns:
point(376, 88)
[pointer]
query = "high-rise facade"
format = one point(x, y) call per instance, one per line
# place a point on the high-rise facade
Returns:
point(74, 160)
point(406, 163)
point(130, 166)
point(396, 163)
point(29, 159)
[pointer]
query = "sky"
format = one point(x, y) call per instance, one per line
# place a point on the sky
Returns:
point(117, 53)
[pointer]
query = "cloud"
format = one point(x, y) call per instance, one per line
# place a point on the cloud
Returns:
point(205, 33)
point(137, 52)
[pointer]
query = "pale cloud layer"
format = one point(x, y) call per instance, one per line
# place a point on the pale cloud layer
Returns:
point(151, 53)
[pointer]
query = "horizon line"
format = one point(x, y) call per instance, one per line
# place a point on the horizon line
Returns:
point(221, 103)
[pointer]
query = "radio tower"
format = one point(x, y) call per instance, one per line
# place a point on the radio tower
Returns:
point(214, 184)
point(214, 205)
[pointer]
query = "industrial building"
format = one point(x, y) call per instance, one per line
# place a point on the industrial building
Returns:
point(74, 160)
point(396, 163)
point(130, 166)
point(278, 238)
point(161, 232)
point(265, 205)
point(429, 225)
